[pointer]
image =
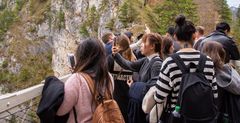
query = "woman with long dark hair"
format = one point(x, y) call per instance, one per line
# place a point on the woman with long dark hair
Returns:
point(91, 60)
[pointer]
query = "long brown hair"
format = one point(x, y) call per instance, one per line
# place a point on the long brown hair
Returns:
point(216, 52)
point(154, 39)
point(91, 59)
point(124, 42)
point(167, 43)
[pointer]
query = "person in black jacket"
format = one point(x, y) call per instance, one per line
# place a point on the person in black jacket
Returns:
point(220, 35)
point(120, 75)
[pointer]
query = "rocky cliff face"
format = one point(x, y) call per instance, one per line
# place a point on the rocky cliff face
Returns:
point(75, 13)
point(38, 34)
point(52, 27)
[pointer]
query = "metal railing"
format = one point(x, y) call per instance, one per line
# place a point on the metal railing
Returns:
point(18, 107)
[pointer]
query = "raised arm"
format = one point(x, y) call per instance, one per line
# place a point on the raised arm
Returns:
point(128, 65)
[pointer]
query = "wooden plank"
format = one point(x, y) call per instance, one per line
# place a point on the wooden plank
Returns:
point(12, 100)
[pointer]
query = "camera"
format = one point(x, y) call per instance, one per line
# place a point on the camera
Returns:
point(71, 60)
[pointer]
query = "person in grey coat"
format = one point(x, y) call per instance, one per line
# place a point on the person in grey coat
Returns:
point(221, 35)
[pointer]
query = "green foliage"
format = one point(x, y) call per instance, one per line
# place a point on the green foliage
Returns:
point(33, 70)
point(24, 75)
point(163, 15)
point(103, 5)
point(127, 13)
point(91, 24)
point(224, 11)
point(39, 10)
point(3, 5)
point(111, 24)
point(6, 76)
point(158, 17)
point(32, 113)
point(93, 18)
point(31, 7)
point(60, 19)
point(5, 64)
point(7, 17)
point(238, 15)
point(13, 119)
point(32, 29)
point(84, 31)
point(19, 5)
point(236, 25)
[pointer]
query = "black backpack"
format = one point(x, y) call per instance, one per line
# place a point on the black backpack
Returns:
point(51, 100)
point(195, 97)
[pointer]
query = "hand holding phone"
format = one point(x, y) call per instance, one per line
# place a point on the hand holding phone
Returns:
point(71, 60)
point(114, 43)
point(115, 50)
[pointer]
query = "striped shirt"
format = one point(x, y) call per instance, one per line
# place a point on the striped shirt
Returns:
point(170, 76)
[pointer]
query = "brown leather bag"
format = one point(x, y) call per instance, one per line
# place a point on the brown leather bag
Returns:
point(107, 110)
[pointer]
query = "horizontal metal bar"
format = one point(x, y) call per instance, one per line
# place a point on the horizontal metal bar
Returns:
point(12, 100)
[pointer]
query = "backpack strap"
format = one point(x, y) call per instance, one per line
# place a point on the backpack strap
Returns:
point(184, 69)
point(202, 62)
point(178, 60)
point(89, 82)
point(100, 98)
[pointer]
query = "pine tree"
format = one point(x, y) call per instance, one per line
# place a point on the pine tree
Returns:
point(123, 11)
point(128, 13)
point(164, 14)
point(236, 26)
point(238, 15)
point(224, 11)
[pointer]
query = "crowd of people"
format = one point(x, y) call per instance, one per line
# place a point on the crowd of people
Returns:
point(188, 72)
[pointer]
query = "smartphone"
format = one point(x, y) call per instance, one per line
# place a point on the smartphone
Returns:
point(71, 60)
point(114, 43)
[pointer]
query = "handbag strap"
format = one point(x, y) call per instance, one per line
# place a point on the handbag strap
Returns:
point(89, 82)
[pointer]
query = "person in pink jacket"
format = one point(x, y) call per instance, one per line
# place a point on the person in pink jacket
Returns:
point(90, 59)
